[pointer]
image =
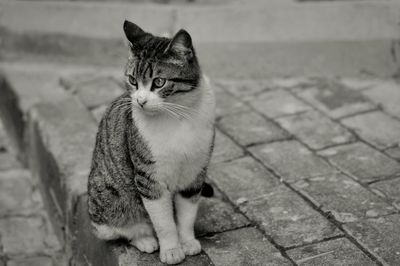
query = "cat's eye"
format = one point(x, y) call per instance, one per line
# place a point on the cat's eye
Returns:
point(132, 80)
point(158, 82)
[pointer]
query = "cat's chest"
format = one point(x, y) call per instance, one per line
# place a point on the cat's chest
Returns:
point(180, 150)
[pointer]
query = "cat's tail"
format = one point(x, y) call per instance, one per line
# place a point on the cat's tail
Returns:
point(207, 191)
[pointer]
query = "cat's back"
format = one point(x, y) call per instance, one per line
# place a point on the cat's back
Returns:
point(111, 153)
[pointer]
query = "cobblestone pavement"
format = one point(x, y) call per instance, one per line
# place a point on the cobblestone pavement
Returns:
point(26, 237)
point(306, 172)
point(313, 164)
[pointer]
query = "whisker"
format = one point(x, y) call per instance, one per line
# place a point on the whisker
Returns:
point(168, 112)
point(181, 113)
point(188, 110)
point(175, 112)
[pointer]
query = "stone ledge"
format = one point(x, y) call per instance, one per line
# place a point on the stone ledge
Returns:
point(12, 117)
point(329, 39)
point(61, 139)
point(353, 20)
point(256, 60)
point(226, 23)
point(100, 20)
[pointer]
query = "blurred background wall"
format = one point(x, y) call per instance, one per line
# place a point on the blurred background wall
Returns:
point(235, 38)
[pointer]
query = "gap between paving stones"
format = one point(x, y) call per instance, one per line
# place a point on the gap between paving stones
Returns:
point(329, 217)
point(281, 249)
point(338, 120)
point(352, 131)
point(369, 253)
point(376, 108)
point(315, 207)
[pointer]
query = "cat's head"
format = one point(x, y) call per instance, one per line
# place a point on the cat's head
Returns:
point(161, 73)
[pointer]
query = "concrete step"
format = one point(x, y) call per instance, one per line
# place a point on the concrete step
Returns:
point(355, 20)
point(281, 38)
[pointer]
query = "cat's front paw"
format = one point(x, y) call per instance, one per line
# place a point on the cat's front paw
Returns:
point(172, 256)
point(145, 244)
point(191, 247)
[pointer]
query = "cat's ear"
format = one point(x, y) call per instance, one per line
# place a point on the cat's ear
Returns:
point(133, 32)
point(181, 43)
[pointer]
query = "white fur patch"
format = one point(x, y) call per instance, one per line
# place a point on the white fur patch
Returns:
point(106, 232)
point(186, 212)
point(180, 147)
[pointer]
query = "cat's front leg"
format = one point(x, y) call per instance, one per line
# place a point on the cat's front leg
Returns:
point(161, 214)
point(187, 204)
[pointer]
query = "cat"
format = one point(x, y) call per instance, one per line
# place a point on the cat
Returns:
point(153, 147)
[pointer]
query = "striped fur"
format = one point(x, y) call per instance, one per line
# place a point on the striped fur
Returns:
point(154, 143)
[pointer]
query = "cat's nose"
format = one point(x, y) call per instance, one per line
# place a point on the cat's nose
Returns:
point(141, 102)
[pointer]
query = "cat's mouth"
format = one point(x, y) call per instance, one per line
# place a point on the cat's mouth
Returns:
point(149, 110)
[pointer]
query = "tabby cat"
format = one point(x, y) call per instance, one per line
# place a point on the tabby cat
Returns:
point(153, 147)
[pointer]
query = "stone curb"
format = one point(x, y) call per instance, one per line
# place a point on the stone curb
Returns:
point(355, 20)
point(57, 135)
point(334, 38)
point(12, 117)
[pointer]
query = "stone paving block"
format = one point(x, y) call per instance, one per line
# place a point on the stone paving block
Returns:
point(99, 91)
point(250, 128)
point(34, 85)
point(334, 99)
point(387, 95)
point(389, 189)
point(20, 90)
point(129, 256)
point(61, 138)
point(8, 161)
point(278, 103)
point(20, 235)
point(381, 236)
point(394, 152)
point(245, 89)
point(17, 193)
point(362, 162)
point(360, 83)
point(333, 252)
point(291, 160)
point(290, 82)
point(73, 81)
point(215, 215)
point(243, 179)
point(225, 149)
point(343, 198)
point(35, 261)
point(66, 131)
point(228, 104)
point(242, 247)
point(98, 112)
point(384, 133)
point(288, 219)
point(3, 137)
point(315, 130)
